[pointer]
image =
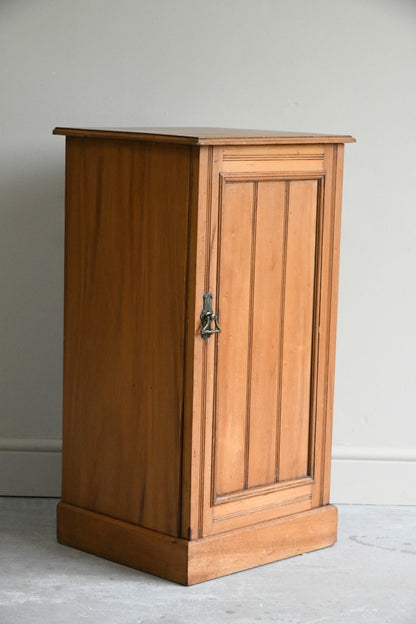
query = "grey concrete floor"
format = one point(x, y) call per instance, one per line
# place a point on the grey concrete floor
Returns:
point(369, 577)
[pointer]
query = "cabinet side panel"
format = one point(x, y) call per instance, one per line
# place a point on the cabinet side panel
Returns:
point(125, 274)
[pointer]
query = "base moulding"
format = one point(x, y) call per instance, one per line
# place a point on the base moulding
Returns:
point(190, 562)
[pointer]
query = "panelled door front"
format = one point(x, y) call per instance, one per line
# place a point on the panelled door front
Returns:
point(261, 430)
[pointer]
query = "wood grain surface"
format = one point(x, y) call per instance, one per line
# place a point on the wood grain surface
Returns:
point(126, 250)
point(190, 562)
point(206, 135)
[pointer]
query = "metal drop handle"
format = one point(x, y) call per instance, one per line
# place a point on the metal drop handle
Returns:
point(208, 317)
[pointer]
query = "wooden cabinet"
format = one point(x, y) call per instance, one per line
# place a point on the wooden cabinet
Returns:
point(185, 455)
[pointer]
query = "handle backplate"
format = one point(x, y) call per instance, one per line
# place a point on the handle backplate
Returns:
point(208, 317)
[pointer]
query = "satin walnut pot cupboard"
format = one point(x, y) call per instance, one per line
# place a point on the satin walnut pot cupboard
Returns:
point(201, 273)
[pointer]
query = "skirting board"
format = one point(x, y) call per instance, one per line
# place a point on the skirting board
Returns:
point(373, 476)
point(30, 467)
point(360, 475)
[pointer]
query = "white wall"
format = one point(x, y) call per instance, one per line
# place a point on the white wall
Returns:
point(323, 66)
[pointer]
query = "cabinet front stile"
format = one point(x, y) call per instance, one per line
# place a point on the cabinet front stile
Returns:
point(201, 357)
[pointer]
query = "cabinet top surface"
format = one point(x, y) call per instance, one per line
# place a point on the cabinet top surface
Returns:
point(206, 136)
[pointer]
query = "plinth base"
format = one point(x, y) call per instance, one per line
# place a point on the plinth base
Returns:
point(190, 562)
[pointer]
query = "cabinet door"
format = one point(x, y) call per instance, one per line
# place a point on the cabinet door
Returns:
point(268, 250)
point(261, 447)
